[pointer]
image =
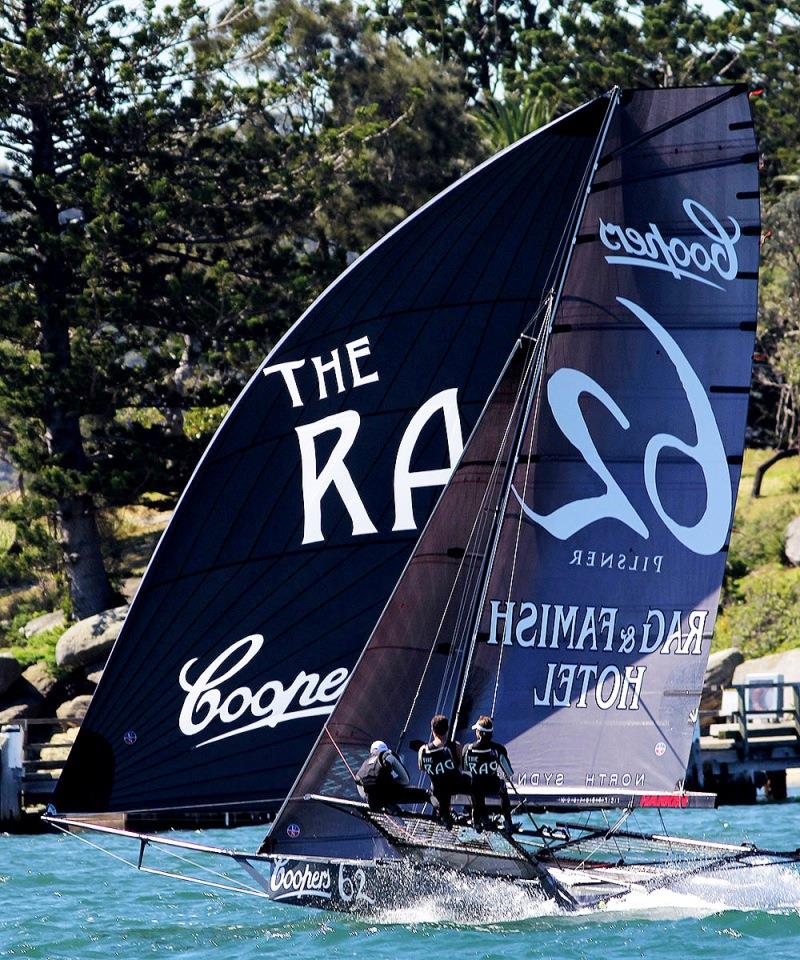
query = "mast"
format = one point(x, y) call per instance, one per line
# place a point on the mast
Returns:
point(530, 387)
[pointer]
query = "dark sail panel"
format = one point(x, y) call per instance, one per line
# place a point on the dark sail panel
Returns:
point(593, 653)
point(302, 513)
point(413, 664)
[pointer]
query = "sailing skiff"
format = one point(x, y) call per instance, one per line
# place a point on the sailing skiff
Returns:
point(581, 308)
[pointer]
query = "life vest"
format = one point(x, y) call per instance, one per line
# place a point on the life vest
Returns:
point(374, 773)
point(482, 763)
point(439, 762)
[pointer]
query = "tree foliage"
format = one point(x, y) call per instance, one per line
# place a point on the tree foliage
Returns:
point(180, 184)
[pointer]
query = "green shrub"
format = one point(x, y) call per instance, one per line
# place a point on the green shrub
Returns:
point(764, 619)
point(758, 536)
point(8, 534)
point(40, 647)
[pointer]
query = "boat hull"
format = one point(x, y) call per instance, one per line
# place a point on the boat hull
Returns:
point(369, 886)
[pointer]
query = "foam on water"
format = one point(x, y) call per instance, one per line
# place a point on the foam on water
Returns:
point(459, 899)
point(469, 901)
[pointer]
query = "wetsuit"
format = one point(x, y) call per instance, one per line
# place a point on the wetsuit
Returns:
point(485, 762)
point(383, 782)
point(441, 762)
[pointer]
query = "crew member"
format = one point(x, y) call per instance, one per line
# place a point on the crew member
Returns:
point(441, 760)
point(383, 781)
point(486, 762)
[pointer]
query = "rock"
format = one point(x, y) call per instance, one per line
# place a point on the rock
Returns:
point(38, 675)
point(719, 673)
point(45, 622)
point(10, 669)
point(19, 711)
point(59, 745)
point(21, 700)
point(94, 675)
point(791, 545)
point(74, 710)
point(129, 587)
point(91, 639)
point(787, 664)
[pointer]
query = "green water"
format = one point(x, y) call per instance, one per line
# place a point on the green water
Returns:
point(62, 900)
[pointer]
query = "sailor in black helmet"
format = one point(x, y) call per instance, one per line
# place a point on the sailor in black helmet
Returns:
point(487, 762)
point(383, 781)
point(440, 758)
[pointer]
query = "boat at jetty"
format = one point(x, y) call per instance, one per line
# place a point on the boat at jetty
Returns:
point(582, 309)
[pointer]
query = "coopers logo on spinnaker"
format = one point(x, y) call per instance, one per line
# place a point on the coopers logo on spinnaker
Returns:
point(690, 261)
point(207, 701)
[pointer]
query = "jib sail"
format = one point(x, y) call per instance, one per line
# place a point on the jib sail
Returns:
point(304, 509)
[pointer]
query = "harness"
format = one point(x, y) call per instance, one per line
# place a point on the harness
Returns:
point(482, 763)
point(439, 762)
point(374, 772)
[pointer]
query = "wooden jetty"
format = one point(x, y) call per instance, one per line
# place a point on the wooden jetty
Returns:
point(750, 744)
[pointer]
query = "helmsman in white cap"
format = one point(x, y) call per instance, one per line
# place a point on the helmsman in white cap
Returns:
point(383, 781)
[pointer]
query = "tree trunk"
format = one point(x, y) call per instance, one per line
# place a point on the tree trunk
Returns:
point(758, 476)
point(76, 521)
point(89, 589)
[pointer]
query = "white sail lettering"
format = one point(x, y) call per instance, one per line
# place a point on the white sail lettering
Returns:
point(673, 256)
point(334, 473)
point(611, 687)
point(404, 479)
point(527, 621)
point(307, 695)
point(648, 645)
point(355, 349)
point(705, 537)
point(506, 617)
point(564, 391)
point(287, 369)
point(605, 702)
point(334, 364)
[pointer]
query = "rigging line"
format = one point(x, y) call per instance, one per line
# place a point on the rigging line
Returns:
point(526, 391)
point(734, 91)
point(474, 535)
point(470, 593)
point(209, 870)
point(538, 380)
point(563, 270)
point(470, 600)
point(664, 828)
point(96, 846)
point(336, 747)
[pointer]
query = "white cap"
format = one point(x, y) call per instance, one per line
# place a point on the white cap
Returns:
point(378, 746)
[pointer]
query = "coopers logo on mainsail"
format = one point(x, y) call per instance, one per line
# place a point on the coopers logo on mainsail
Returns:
point(207, 700)
point(690, 261)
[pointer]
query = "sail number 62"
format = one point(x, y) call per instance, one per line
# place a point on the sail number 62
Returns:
point(564, 391)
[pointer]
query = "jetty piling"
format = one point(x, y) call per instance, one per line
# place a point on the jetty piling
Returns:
point(10, 773)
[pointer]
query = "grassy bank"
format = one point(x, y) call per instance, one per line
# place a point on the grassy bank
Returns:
point(761, 595)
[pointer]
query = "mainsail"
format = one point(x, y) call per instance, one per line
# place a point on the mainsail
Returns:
point(605, 587)
point(594, 620)
point(303, 511)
